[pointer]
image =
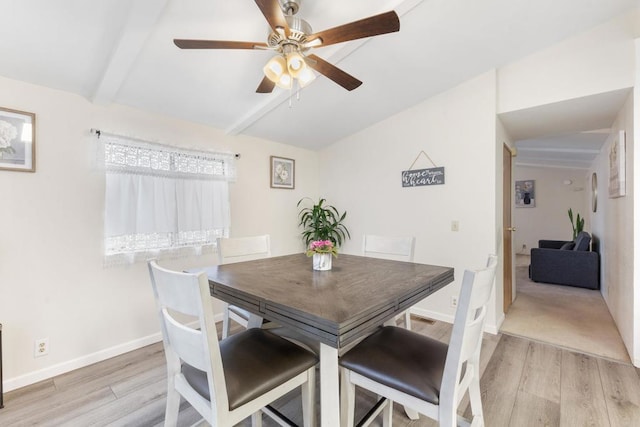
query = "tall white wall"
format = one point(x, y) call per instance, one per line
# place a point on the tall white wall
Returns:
point(613, 225)
point(362, 175)
point(597, 61)
point(52, 281)
point(549, 220)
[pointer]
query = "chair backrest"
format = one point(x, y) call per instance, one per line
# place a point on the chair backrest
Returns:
point(189, 294)
point(237, 249)
point(466, 336)
point(394, 248)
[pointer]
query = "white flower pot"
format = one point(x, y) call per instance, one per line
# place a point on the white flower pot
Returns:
point(322, 261)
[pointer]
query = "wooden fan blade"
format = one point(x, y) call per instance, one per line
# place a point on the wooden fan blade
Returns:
point(266, 86)
point(373, 26)
point(273, 13)
point(345, 80)
point(216, 44)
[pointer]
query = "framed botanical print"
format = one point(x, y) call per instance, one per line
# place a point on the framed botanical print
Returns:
point(17, 140)
point(283, 172)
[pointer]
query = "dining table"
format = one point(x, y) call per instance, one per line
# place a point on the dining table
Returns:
point(333, 308)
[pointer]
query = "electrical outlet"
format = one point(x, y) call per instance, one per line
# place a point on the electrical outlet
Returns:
point(454, 301)
point(41, 347)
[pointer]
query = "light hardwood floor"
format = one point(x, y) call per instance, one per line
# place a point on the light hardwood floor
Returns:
point(524, 383)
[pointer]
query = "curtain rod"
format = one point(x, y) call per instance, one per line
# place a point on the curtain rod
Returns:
point(99, 132)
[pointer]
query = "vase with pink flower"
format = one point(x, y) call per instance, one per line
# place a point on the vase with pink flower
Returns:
point(322, 251)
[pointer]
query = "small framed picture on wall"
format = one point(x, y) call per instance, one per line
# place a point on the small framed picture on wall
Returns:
point(17, 140)
point(283, 173)
point(526, 194)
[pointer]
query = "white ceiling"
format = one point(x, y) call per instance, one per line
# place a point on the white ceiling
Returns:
point(568, 134)
point(121, 51)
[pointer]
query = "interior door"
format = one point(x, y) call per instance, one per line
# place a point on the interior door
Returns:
point(507, 243)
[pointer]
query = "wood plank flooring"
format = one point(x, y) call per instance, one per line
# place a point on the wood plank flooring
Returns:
point(524, 383)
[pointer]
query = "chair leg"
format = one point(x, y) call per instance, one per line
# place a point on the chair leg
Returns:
point(256, 419)
point(309, 399)
point(225, 321)
point(411, 413)
point(474, 398)
point(407, 319)
point(348, 399)
point(173, 405)
point(387, 414)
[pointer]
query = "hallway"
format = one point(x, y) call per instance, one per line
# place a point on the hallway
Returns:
point(568, 317)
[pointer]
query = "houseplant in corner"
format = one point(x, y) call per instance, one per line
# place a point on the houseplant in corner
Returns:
point(323, 231)
point(578, 226)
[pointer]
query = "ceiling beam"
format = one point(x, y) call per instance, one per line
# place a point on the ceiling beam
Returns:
point(142, 17)
point(278, 97)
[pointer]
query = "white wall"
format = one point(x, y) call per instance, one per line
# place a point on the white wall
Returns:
point(597, 61)
point(613, 224)
point(362, 175)
point(52, 282)
point(549, 220)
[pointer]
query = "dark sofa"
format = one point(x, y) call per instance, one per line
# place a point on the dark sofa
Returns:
point(566, 263)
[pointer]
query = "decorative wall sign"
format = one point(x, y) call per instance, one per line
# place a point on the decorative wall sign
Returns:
point(17, 140)
point(282, 172)
point(617, 166)
point(422, 177)
point(526, 194)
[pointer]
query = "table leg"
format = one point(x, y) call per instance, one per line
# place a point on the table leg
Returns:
point(329, 387)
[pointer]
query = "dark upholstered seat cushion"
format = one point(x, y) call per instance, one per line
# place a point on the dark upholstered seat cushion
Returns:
point(401, 359)
point(255, 361)
point(568, 246)
point(582, 241)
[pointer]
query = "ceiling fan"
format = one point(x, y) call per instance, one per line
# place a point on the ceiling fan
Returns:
point(292, 38)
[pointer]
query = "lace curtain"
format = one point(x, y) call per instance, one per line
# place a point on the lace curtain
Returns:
point(163, 201)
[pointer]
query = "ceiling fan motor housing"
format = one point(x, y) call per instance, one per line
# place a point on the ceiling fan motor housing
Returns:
point(299, 29)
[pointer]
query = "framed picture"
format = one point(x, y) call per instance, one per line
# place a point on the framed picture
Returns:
point(526, 194)
point(283, 173)
point(17, 140)
point(617, 166)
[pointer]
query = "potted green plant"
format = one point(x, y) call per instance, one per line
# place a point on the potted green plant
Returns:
point(323, 231)
point(578, 226)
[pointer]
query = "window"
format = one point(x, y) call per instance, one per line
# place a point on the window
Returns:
point(163, 201)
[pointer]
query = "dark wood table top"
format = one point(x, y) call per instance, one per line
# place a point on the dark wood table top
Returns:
point(334, 307)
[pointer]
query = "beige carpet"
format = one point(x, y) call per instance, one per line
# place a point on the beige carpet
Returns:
point(569, 317)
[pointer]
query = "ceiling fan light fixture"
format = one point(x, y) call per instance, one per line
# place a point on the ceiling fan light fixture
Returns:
point(295, 64)
point(285, 81)
point(275, 68)
point(306, 76)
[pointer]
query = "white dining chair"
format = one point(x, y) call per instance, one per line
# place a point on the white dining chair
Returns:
point(421, 373)
point(394, 248)
point(238, 249)
point(225, 381)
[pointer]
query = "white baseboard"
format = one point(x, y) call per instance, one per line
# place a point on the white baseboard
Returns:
point(81, 362)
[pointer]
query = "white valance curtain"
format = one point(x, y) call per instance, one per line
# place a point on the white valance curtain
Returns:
point(162, 200)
